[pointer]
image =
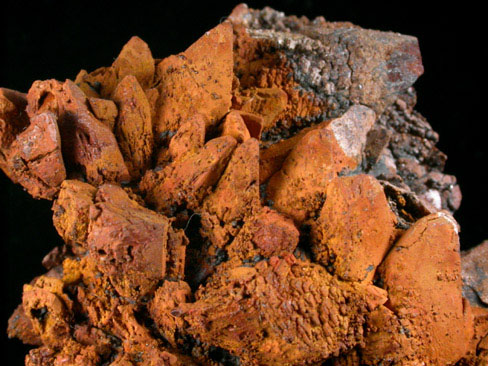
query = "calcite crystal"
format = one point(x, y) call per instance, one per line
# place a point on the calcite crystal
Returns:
point(267, 197)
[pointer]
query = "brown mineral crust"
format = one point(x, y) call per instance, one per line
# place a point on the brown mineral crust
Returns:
point(482, 356)
point(71, 209)
point(355, 229)
point(71, 354)
point(254, 123)
point(189, 138)
point(266, 102)
point(117, 230)
point(186, 181)
point(130, 341)
point(480, 359)
point(86, 141)
point(200, 77)
point(49, 310)
point(19, 100)
point(407, 207)
point(354, 65)
point(223, 211)
point(260, 69)
point(478, 348)
point(281, 312)
point(104, 110)
point(150, 355)
point(176, 258)
point(55, 257)
point(297, 189)
point(136, 60)
point(13, 120)
point(30, 151)
point(161, 308)
point(385, 337)
point(235, 196)
point(20, 326)
point(273, 234)
point(474, 264)
point(129, 241)
point(265, 234)
point(91, 90)
point(234, 126)
point(255, 144)
point(133, 127)
point(331, 66)
point(34, 158)
point(376, 142)
point(96, 298)
point(272, 158)
point(88, 335)
point(410, 158)
point(139, 347)
point(99, 83)
point(152, 95)
point(352, 358)
point(113, 333)
point(425, 294)
point(323, 67)
point(40, 149)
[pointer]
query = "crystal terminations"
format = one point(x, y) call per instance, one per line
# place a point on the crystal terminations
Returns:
point(267, 197)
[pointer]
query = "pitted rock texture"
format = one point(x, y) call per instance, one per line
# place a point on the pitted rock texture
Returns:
point(325, 68)
point(269, 196)
point(280, 311)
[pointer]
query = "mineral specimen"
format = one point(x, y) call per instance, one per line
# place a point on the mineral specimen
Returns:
point(267, 197)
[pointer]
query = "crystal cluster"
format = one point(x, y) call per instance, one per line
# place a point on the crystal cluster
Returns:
point(267, 197)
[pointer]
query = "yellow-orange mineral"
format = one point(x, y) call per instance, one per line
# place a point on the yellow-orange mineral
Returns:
point(269, 196)
point(355, 228)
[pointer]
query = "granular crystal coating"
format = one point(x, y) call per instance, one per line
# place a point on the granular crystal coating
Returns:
point(269, 196)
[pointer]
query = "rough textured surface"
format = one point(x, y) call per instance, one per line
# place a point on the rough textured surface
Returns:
point(325, 68)
point(267, 197)
point(71, 210)
point(235, 197)
point(279, 312)
point(30, 149)
point(475, 274)
point(105, 110)
point(186, 180)
point(133, 128)
point(355, 228)
point(197, 80)
point(87, 143)
point(34, 158)
point(129, 241)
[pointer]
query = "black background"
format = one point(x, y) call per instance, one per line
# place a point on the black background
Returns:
point(55, 39)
